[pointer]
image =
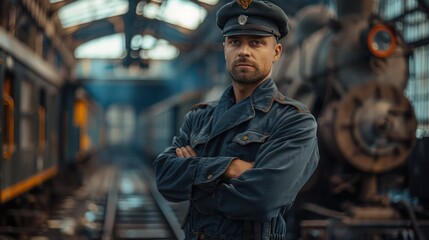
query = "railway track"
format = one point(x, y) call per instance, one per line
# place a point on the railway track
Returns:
point(118, 200)
point(134, 208)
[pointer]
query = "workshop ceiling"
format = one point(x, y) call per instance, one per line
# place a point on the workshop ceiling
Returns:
point(143, 29)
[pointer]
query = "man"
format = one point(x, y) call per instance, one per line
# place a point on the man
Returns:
point(242, 160)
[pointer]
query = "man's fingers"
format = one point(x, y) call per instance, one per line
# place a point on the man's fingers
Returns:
point(185, 152)
point(191, 151)
point(179, 152)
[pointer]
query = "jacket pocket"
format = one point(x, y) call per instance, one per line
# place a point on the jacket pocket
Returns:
point(246, 145)
point(249, 137)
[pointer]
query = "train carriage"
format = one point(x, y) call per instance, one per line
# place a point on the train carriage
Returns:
point(30, 91)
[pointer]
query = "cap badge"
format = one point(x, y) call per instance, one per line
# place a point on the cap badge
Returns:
point(242, 19)
point(244, 4)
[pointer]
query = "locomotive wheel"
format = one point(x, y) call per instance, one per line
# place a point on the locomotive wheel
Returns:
point(375, 127)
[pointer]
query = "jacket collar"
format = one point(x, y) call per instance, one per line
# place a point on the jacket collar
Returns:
point(227, 114)
point(263, 96)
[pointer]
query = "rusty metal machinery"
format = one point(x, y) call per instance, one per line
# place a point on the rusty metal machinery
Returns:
point(344, 53)
point(373, 127)
point(351, 73)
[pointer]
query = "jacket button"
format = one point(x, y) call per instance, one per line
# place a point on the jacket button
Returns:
point(245, 138)
point(201, 236)
point(281, 98)
point(210, 176)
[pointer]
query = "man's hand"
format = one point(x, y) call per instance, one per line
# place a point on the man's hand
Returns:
point(236, 168)
point(186, 152)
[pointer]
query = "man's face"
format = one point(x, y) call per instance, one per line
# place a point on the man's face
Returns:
point(249, 58)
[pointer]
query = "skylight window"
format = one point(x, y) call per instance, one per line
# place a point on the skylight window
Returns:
point(150, 10)
point(109, 47)
point(152, 48)
point(183, 13)
point(162, 50)
point(143, 42)
point(113, 47)
point(84, 11)
point(148, 42)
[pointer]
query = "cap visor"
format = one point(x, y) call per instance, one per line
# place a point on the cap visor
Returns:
point(247, 32)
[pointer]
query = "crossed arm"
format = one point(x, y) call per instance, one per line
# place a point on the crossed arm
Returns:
point(234, 170)
point(283, 164)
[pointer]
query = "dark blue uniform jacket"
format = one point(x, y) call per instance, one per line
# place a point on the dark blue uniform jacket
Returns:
point(277, 134)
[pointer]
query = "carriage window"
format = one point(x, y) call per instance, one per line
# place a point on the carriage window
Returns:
point(26, 125)
point(42, 121)
point(8, 119)
point(80, 119)
point(26, 97)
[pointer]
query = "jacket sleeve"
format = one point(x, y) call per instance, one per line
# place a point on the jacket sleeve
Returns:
point(283, 165)
point(176, 176)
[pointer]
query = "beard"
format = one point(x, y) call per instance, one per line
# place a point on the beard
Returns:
point(245, 76)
